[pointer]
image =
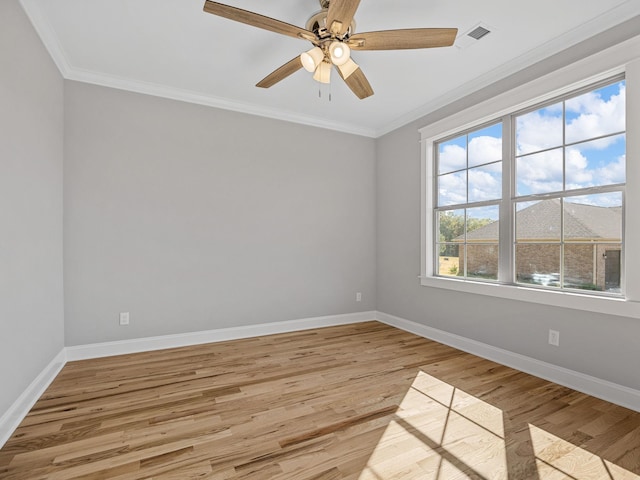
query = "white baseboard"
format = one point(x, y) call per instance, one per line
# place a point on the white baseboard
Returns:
point(97, 350)
point(16, 413)
point(20, 408)
point(605, 390)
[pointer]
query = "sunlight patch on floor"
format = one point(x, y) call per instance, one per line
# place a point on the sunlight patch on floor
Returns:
point(558, 459)
point(440, 432)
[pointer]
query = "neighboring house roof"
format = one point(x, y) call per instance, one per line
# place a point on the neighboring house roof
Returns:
point(541, 221)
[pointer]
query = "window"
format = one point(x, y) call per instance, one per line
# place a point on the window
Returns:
point(560, 182)
point(469, 189)
point(569, 180)
point(596, 178)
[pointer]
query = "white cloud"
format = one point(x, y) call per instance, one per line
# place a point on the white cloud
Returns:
point(577, 173)
point(599, 200)
point(615, 172)
point(484, 185)
point(538, 130)
point(542, 129)
point(484, 149)
point(540, 173)
point(596, 116)
point(589, 116)
point(452, 189)
point(452, 157)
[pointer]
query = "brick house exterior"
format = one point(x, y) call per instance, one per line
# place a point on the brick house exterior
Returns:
point(592, 246)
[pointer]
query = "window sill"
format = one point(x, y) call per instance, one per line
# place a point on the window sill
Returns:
point(577, 301)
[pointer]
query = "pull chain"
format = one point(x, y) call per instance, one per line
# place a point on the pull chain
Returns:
point(320, 90)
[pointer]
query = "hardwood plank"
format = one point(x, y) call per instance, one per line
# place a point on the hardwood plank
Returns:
point(350, 402)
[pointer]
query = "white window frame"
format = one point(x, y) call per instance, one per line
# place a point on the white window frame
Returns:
point(617, 60)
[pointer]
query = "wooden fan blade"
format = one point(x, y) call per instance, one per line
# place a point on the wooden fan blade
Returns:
point(403, 39)
point(256, 20)
point(281, 73)
point(357, 82)
point(340, 15)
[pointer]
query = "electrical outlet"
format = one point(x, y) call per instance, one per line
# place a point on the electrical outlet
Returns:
point(124, 318)
point(358, 297)
point(554, 338)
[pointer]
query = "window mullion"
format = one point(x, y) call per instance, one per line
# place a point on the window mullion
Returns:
point(506, 235)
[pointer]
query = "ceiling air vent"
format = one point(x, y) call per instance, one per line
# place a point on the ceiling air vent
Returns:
point(478, 32)
point(474, 34)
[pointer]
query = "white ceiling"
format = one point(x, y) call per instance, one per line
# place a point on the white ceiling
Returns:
point(173, 49)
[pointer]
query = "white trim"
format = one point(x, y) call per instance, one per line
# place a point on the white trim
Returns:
point(19, 409)
point(12, 418)
point(97, 350)
point(596, 387)
point(48, 36)
point(622, 58)
point(69, 72)
point(188, 96)
point(607, 20)
point(585, 302)
point(583, 32)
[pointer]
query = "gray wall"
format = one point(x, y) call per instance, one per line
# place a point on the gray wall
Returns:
point(31, 132)
point(599, 345)
point(193, 218)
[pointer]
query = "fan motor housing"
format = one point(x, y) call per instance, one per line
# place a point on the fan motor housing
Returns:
point(318, 21)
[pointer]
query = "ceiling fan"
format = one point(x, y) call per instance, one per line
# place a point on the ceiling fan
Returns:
point(332, 33)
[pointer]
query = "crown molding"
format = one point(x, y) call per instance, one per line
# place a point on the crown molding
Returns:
point(569, 39)
point(188, 96)
point(566, 41)
point(46, 33)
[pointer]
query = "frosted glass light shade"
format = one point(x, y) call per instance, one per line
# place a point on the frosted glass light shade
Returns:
point(311, 59)
point(339, 53)
point(323, 73)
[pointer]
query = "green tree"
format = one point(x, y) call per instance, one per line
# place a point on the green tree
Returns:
point(452, 226)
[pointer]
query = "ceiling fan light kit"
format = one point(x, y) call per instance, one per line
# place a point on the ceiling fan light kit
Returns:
point(339, 52)
point(330, 31)
point(312, 59)
point(347, 68)
point(323, 73)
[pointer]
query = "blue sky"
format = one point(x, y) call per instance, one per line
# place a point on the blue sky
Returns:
point(470, 165)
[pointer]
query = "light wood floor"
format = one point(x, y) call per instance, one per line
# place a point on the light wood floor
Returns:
point(363, 401)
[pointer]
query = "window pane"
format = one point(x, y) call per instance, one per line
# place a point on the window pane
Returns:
point(485, 183)
point(482, 261)
point(539, 130)
point(538, 264)
point(596, 163)
point(539, 173)
point(538, 221)
point(597, 113)
point(592, 266)
point(482, 224)
point(579, 266)
point(452, 155)
point(485, 146)
point(609, 261)
point(451, 226)
point(450, 263)
point(593, 218)
point(452, 188)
